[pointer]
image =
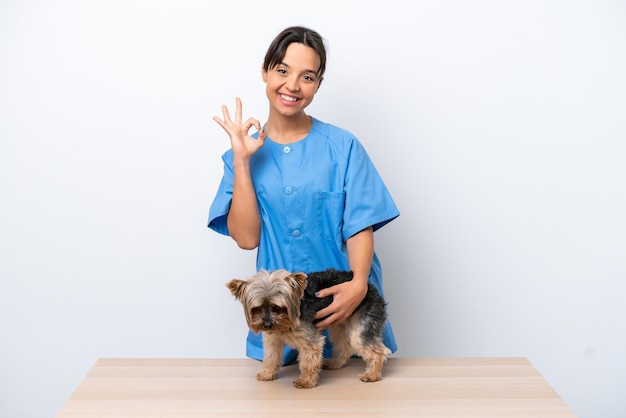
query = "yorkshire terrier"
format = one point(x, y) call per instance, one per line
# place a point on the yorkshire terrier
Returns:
point(281, 305)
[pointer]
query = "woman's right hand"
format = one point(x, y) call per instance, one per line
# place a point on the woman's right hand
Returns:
point(243, 145)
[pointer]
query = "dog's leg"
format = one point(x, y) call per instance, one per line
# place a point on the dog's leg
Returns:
point(374, 353)
point(342, 347)
point(310, 353)
point(273, 346)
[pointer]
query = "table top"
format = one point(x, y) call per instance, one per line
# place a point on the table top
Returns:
point(411, 387)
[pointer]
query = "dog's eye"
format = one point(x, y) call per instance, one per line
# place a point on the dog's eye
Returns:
point(257, 311)
point(277, 309)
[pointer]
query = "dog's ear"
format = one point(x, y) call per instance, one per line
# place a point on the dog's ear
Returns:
point(237, 287)
point(297, 281)
point(300, 278)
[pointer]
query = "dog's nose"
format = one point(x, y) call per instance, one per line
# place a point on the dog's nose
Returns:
point(267, 324)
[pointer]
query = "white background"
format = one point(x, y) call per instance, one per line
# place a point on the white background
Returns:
point(499, 128)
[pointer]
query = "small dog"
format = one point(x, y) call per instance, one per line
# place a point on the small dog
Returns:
point(282, 305)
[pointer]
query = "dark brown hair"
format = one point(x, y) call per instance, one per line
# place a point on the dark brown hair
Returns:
point(300, 34)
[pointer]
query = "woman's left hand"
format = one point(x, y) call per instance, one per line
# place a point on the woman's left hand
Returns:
point(346, 298)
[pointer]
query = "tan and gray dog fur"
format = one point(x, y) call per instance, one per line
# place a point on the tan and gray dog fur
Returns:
point(281, 305)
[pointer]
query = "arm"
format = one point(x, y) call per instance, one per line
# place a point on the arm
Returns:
point(244, 220)
point(347, 296)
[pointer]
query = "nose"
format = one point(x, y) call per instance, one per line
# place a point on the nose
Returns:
point(267, 323)
point(293, 84)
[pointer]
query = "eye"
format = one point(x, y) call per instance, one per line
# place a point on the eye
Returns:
point(281, 71)
point(277, 309)
point(309, 78)
point(256, 311)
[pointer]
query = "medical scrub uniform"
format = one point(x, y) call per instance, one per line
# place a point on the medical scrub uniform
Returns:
point(313, 195)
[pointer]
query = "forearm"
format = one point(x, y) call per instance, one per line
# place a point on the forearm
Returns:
point(347, 296)
point(360, 254)
point(244, 220)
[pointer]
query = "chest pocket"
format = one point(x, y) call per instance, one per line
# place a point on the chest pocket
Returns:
point(330, 209)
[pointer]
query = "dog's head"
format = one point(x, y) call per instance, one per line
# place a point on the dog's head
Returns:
point(271, 300)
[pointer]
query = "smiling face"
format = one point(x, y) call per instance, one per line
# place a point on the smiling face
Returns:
point(292, 83)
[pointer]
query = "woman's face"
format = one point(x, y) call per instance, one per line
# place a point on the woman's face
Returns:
point(292, 84)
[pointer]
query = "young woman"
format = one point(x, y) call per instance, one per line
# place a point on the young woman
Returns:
point(303, 192)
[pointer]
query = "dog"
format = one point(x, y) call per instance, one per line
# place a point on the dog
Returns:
point(281, 305)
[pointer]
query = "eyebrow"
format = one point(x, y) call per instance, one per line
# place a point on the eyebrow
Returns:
point(306, 71)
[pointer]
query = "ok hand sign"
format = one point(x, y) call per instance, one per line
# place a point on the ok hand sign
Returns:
point(243, 145)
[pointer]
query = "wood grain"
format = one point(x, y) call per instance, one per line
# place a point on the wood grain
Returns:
point(412, 387)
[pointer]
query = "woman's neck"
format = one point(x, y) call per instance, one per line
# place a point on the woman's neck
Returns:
point(287, 130)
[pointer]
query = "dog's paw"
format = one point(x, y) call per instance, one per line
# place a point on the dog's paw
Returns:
point(301, 383)
point(370, 377)
point(332, 364)
point(266, 375)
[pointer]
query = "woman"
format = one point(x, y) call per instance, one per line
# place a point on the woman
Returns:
point(303, 192)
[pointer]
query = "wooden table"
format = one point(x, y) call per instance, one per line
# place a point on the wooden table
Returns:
point(412, 387)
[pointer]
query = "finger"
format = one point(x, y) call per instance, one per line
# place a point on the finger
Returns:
point(238, 112)
point(226, 114)
point(219, 121)
point(250, 123)
point(326, 323)
point(323, 313)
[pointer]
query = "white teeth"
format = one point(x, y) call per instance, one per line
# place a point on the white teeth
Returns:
point(288, 98)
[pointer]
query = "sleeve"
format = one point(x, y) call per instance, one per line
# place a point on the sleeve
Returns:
point(218, 211)
point(368, 201)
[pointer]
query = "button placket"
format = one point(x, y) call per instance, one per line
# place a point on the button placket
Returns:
point(289, 191)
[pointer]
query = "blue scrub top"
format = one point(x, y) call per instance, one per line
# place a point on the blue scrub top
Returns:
point(313, 195)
